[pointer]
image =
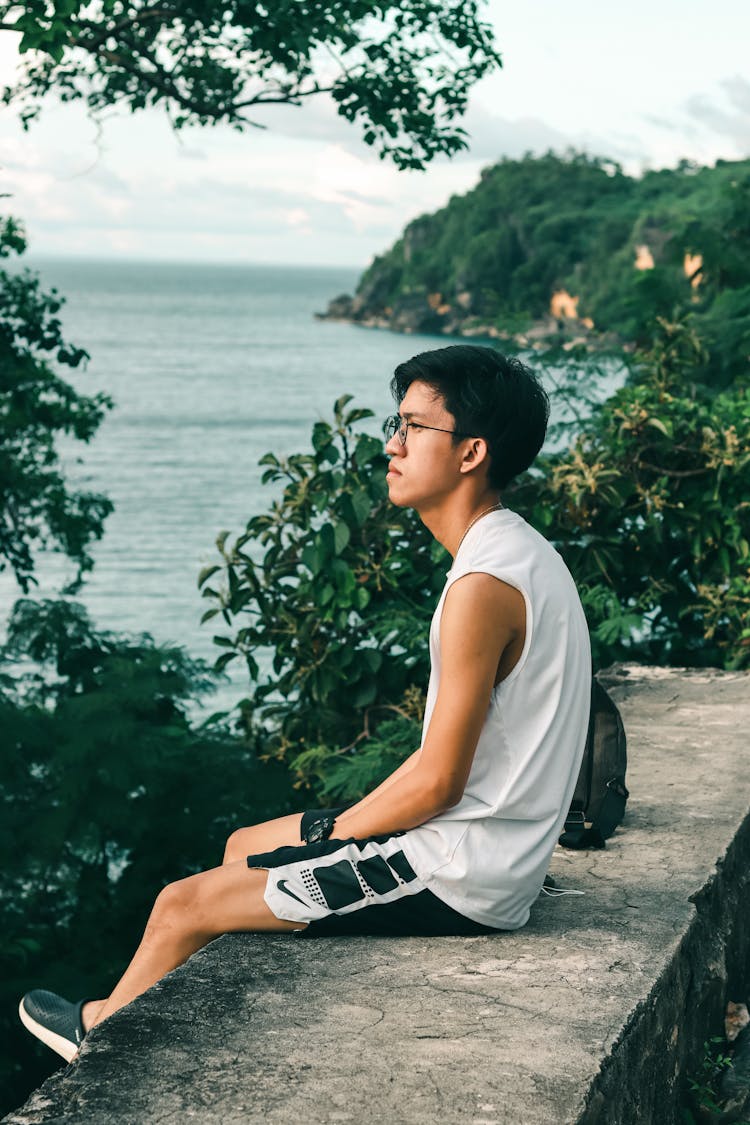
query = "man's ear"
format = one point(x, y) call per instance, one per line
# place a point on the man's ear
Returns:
point(476, 453)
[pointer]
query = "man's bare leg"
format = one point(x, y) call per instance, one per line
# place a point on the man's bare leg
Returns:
point(282, 831)
point(188, 915)
point(279, 833)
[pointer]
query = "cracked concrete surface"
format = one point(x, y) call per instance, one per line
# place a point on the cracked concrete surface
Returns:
point(591, 1014)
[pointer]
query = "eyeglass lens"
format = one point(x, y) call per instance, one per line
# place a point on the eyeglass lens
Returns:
point(395, 425)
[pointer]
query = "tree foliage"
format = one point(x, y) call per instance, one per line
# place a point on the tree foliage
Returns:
point(401, 71)
point(531, 227)
point(332, 592)
point(108, 793)
point(37, 507)
point(649, 506)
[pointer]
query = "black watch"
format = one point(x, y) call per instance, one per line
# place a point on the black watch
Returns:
point(320, 829)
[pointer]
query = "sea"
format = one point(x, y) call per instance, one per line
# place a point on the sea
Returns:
point(209, 367)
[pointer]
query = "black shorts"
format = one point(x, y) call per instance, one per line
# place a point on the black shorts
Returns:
point(352, 886)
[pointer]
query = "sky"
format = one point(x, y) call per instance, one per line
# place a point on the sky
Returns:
point(644, 83)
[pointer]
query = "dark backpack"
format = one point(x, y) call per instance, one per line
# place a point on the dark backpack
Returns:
point(600, 793)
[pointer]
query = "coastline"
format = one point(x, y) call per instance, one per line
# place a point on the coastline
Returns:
point(422, 315)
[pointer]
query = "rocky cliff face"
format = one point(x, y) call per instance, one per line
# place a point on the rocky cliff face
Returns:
point(436, 314)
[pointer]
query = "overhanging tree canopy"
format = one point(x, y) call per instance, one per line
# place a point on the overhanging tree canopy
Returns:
point(401, 71)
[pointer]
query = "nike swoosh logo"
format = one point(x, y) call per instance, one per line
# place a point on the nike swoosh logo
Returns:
point(281, 885)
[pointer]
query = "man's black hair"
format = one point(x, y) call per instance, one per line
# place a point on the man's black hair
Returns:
point(490, 395)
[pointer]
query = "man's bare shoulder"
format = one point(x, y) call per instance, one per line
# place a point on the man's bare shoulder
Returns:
point(483, 627)
point(481, 595)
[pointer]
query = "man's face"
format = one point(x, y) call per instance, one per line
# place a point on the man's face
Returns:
point(426, 469)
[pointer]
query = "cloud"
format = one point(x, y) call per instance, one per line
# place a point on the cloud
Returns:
point(492, 137)
point(728, 117)
point(738, 91)
point(190, 152)
point(316, 120)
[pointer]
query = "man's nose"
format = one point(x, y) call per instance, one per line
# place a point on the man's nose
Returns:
point(393, 446)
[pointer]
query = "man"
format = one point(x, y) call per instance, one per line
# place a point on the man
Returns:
point(457, 840)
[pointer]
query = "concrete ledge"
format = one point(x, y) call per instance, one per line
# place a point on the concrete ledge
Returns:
point(591, 1014)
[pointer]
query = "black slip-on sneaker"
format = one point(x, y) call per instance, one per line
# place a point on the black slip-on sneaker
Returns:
point(54, 1020)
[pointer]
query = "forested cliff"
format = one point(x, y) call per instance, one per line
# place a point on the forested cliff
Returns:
point(571, 245)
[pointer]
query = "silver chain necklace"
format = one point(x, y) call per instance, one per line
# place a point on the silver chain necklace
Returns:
point(486, 512)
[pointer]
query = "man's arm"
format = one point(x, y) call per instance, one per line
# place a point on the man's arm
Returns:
point(481, 617)
point(407, 765)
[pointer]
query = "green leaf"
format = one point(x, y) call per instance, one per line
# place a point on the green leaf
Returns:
point(357, 415)
point(339, 406)
point(372, 658)
point(325, 541)
point(321, 436)
point(663, 427)
point(367, 449)
point(225, 658)
point(329, 453)
point(361, 504)
point(240, 598)
point(65, 8)
point(312, 558)
point(326, 594)
point(206, 573)
point(341, 536)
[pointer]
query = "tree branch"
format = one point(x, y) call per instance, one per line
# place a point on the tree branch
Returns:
point(147, 15)
point(676, 473)
point(162, 81)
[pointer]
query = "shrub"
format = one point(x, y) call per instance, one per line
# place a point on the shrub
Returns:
point(333, 591)
point(108, 793)
point(649, 506)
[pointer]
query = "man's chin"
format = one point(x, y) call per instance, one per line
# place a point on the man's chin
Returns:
point(393, 495)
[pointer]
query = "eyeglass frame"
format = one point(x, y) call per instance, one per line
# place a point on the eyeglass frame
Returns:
point(403, 426)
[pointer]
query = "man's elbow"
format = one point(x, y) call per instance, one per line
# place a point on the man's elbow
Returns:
point(445, 793)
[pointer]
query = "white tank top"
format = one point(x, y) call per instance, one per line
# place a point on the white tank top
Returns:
point(488, 855)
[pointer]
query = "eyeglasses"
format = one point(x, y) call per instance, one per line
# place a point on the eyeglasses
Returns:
point(398, 425)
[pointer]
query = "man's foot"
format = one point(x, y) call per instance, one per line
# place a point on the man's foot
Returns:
point(54, 1020)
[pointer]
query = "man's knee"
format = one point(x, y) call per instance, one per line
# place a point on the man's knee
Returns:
point(265, 837)
point(238, 845)
point(173, 909)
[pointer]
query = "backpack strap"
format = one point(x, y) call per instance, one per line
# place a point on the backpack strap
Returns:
point(613, 807)
point(575, 833)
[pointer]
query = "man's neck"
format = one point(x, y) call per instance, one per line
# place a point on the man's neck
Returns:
point(450, 520)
